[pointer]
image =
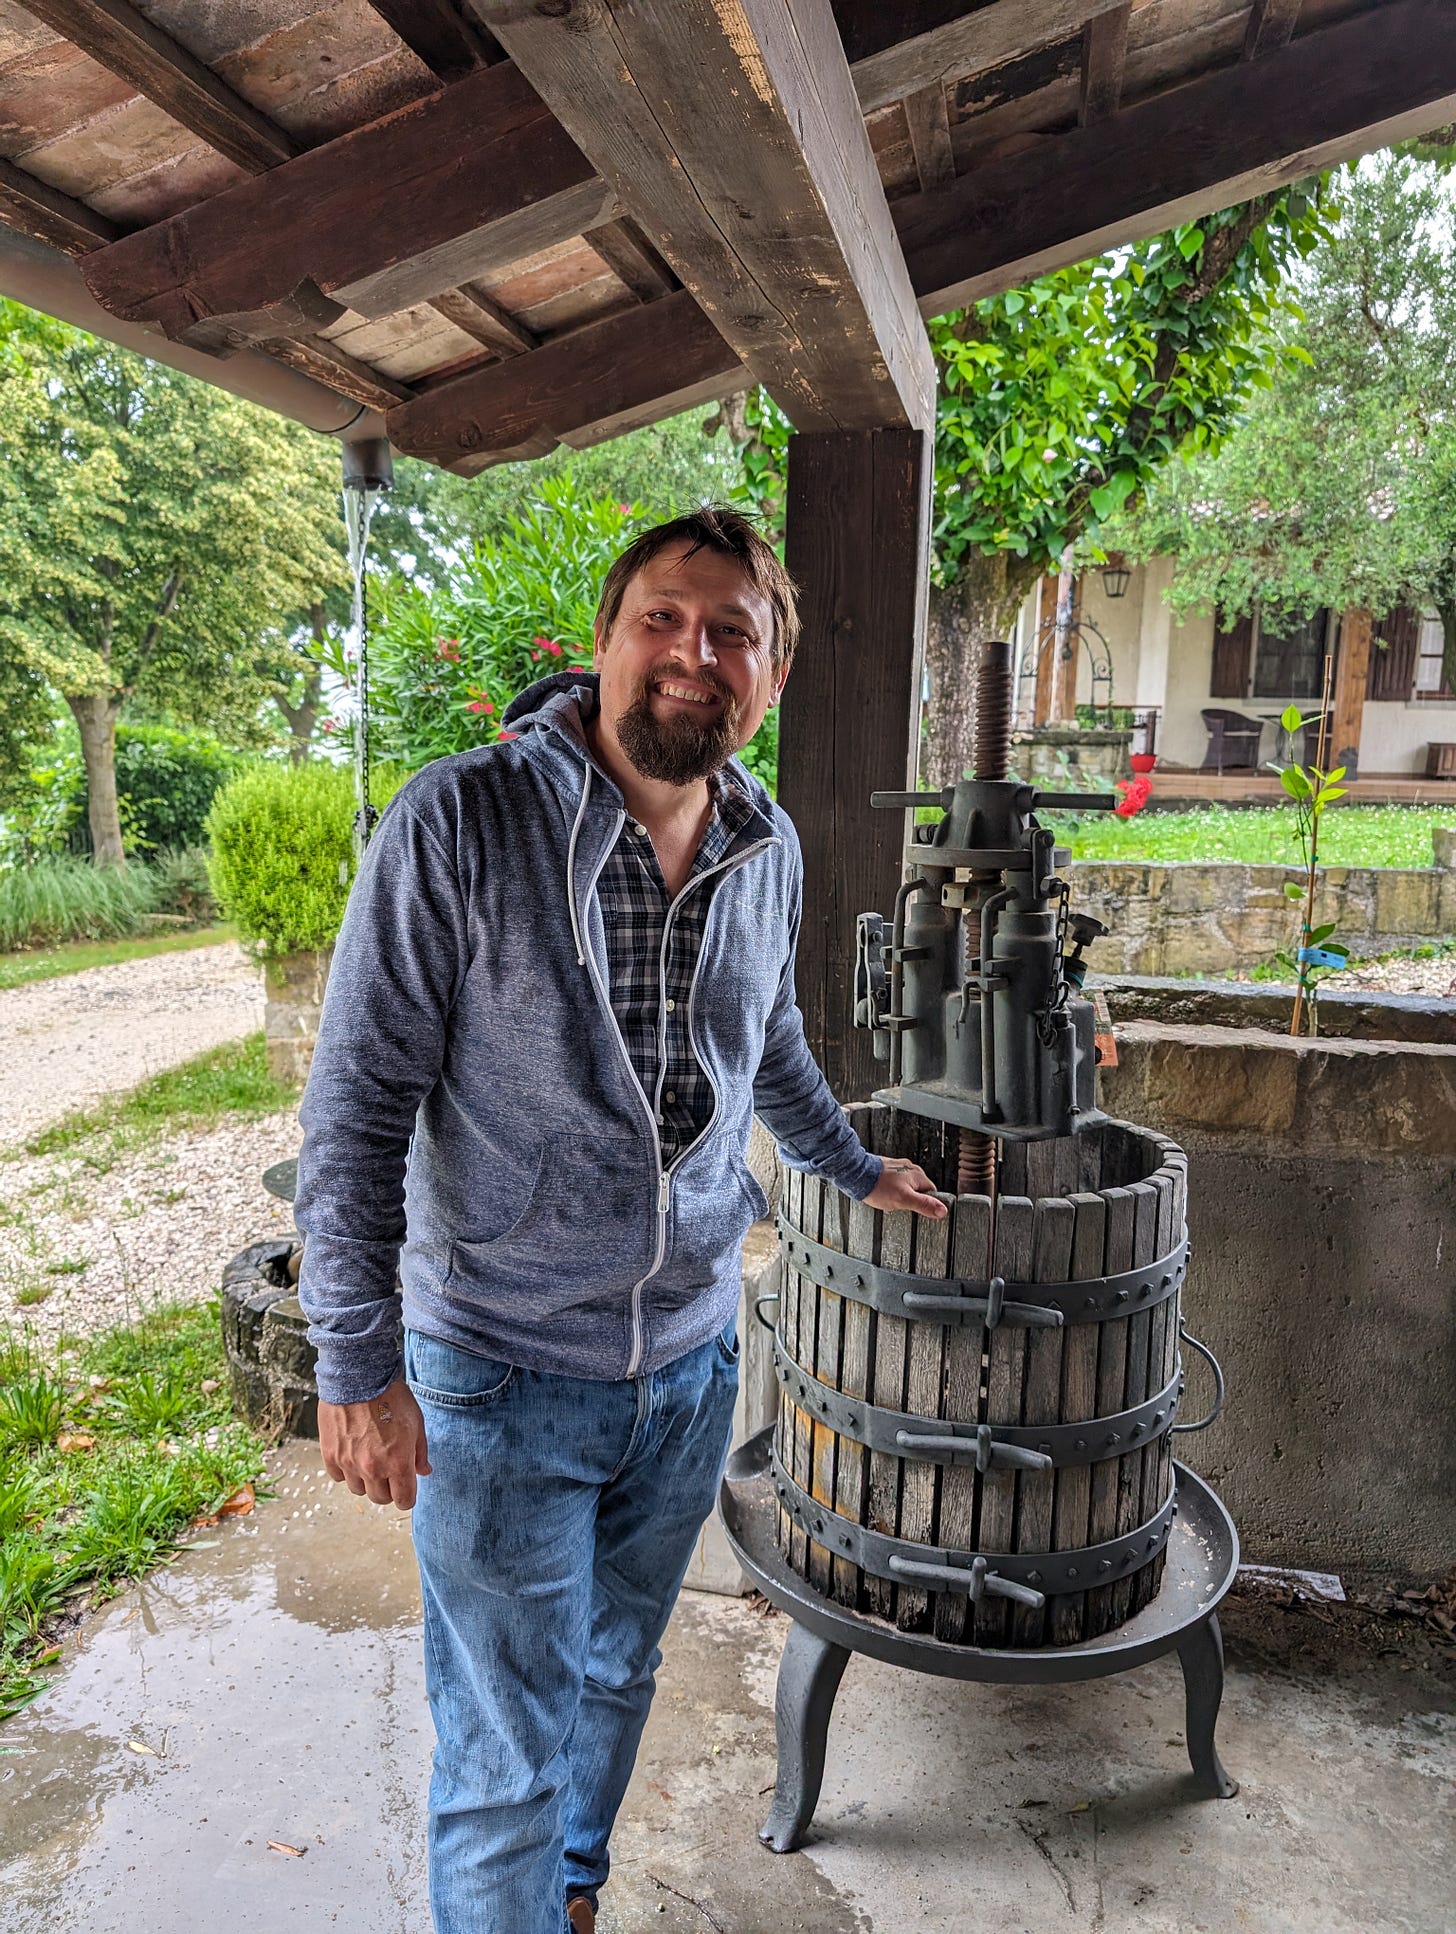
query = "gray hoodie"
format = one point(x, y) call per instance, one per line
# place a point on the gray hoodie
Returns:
point(472, 1119)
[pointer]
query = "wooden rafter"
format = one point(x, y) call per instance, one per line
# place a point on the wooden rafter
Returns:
point(661, 357)
point(1104, 51)
point(413, 205)
point(32, 207)
point(1270, 25)
point(450, 46)
point(891, 60)
point(1377, 77)
point(482, 318)
point(633, 260)
point(125, 42)
point(730, 130)
point(929, 124)
point(339, 371)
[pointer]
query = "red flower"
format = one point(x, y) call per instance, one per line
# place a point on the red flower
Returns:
point(1135, 795)
point(505, 737)
point(535, 654)
point(480, 705)
point(555, 650)
point(448, 648)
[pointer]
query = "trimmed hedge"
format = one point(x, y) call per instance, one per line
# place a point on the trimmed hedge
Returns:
point(282, 852)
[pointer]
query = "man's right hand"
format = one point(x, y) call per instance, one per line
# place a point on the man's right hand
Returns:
point(377, 1448)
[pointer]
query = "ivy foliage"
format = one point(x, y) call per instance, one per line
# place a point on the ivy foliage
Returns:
point(1060, 401)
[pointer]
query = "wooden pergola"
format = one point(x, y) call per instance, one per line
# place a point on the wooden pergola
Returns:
point(486, 227)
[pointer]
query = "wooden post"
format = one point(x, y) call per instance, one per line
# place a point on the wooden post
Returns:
point(1350, 681)
point(857, 542)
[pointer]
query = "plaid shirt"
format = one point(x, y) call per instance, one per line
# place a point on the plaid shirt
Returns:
point(647, 992)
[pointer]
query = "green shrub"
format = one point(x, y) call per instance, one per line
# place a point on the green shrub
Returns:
point(184, 886)
point(66, 898)
point(165, 782)
point(282, 852)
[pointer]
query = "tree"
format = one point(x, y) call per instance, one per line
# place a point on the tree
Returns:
point(1060, 401)
point(152, 531)
point(1339, 488)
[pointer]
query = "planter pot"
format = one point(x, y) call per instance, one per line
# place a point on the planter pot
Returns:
point(1142, 761)
point(293, 986)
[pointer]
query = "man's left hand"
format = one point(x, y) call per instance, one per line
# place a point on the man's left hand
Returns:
point(905, 1185)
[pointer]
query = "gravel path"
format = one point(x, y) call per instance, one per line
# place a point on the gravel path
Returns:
point(71, 1040)
point(1435, 978)
point(156, 1228)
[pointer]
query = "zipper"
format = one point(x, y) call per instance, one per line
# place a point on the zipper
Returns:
point(664, 1173)
point(576, 933)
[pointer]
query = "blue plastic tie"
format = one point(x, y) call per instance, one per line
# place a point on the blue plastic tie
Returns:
point(1320, 957)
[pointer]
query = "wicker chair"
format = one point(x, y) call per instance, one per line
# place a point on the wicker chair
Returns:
point(1233, 740)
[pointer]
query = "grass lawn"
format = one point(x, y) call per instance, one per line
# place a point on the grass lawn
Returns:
point(109, 1450)
point(46, 963)
point(1349, 835)
point(229, 1082)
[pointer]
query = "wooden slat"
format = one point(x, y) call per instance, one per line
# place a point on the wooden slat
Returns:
point(1135, 1387)
point(592, 375)
point(1005, 1380)
point(889, 62)
point(1111, 1382)
point(1070, 1515)
point(449, 45)
point(819, 1341)
point(1053, 1224)
point(854, 1380)
point(1383, 75)
point(929, 125)
point(482, 317)
point(414, 204)
point(632, 259)
point(125, 42)
point(1270, 25)
point(890, 1348)
point(795, 1291)
point(1162, 1325)
point(1104, 52)
point(733, 135)
point(923, 1375)
point(337, 370)
point(961, 1403)
point(32, 207)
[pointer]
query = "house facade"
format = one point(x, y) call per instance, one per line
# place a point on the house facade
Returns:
point(1132, 651)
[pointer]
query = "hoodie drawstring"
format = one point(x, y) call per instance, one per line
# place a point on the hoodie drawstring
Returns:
point(571, 869)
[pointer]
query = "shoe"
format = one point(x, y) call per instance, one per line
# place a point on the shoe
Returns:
point(582, 1915)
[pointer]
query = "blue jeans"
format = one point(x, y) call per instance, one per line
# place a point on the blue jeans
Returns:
point(552, 1537)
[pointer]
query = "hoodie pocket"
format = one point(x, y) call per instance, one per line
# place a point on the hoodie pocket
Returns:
point(501, 1214)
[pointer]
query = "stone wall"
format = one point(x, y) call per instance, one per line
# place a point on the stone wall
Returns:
point(293, 996)
point(1189, 916)
point(1322, 1213)
point(1054, 755)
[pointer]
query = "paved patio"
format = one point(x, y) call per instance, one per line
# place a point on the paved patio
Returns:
point(274, 1675)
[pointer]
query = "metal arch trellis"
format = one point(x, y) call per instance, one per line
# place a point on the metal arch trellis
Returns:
point(1083, 632)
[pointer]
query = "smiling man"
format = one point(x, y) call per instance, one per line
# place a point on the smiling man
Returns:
point(564, 986)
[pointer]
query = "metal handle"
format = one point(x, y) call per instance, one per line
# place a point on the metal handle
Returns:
point(975, 1581)
point(988, 1454)
point(1218, 1387)
point(773, 1296)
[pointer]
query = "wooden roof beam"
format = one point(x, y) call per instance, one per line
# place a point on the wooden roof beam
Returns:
point(34, 208)
point(889, 59)
point(125, 42)
point(1104, 52)
point(400, 211)
point(731, 131)
point(435, 30)
point(1328, 96)
point(1271, 24)
point(634, 367)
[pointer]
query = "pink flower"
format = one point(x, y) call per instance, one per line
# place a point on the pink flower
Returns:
point(535, 654)
point(505, 737)
point(448, 648)
point(626, 509)
point(480, 705)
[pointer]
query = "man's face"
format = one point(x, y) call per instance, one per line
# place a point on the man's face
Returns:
point(687, 670)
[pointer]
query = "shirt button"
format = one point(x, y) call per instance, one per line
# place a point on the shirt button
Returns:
point(670, 1096)
point(671, 1007)
point(638, 827)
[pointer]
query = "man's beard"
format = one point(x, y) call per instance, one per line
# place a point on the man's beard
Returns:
point(679, 749)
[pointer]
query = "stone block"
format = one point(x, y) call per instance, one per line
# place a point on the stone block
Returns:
point(1443, 841)
point(1220, 1079)
point(293, 987)
point(287, 1360)
point(1407, 902)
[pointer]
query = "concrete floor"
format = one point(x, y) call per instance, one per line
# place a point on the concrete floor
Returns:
point(274, 1673)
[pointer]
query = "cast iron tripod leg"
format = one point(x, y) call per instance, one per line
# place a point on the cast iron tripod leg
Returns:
point(809, 1675)
point(1201, 1656)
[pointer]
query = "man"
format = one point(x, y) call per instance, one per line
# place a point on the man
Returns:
point(563, 987)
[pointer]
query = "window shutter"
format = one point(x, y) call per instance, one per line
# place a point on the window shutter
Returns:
point(1231, 652)
point(1393, 656)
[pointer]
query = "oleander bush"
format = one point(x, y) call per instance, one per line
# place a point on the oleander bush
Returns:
point(282, 852)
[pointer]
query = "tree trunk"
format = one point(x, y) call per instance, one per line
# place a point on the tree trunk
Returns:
point(981, 604)
point(1447, 614)
point(302, 719)
point(95, 716)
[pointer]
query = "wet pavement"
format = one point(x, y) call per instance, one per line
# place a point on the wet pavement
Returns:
point(273, 1676)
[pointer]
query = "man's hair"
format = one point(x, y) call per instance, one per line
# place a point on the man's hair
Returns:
point(720, 528)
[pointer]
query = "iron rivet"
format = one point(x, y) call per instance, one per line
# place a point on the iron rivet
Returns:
point(1122, 1295)
point(1045, 1449)
point(1157, 1416)
point(829, 1269)
point(1137, 1430)
point(1167, 1282)
point(1151, 1543)
point(1081, 1443)
point(1071, 1571)
point(859, 1282)
point(1090, 1303)
point(1113, 1437)
point(1175, 1510)
point(845, 1543)
point(1146, 1290)
point(1127, 1557)
point(1104, 1564)
point(1033, 1578)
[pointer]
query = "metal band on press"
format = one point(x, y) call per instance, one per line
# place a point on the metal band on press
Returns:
point(1042, 1574)
point(1032, 1447)
point(953, 1299)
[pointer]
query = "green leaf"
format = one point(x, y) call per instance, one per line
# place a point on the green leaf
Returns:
point(1295, 783)
point(1190, 242)
point(1293, 892)
point(1290, 719)
point(1320, 934)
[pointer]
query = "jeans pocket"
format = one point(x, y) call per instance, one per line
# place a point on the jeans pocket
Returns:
point(438, 1373)
point(728, 1344)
